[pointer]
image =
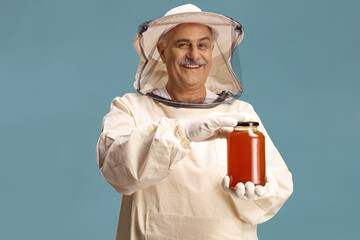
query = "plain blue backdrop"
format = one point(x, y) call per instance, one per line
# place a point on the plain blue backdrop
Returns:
point(63, 61)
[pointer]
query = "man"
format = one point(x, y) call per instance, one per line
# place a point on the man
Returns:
point(165, 148)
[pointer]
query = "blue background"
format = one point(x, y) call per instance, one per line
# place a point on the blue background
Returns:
point(62, 62)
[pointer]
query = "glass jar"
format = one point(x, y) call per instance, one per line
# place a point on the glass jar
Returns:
point(246, 154)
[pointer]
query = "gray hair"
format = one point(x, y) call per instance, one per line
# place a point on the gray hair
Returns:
point(163, 38)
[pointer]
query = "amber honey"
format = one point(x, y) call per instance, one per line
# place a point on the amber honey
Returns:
point(246, 154)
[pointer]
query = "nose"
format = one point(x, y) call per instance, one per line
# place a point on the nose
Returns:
point(193, 53)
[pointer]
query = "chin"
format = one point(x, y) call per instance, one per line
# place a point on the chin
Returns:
point(194, 84)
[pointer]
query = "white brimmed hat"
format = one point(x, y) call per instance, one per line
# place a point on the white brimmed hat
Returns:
point(152, 74)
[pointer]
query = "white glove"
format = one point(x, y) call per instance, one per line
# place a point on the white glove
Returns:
point(249, 190)
point(215, 125)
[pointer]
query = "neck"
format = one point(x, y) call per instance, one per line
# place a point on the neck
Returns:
point(194, 95)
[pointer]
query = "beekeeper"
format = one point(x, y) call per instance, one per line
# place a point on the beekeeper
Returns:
point(164, 148)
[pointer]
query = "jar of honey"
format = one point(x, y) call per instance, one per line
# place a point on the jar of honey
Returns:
point(246, 154)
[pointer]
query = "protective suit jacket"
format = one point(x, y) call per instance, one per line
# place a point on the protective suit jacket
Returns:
point(172, 187)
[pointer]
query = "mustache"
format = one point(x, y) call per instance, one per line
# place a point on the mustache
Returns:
point(187, 61)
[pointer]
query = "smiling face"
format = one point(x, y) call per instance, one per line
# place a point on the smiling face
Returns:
point(188, 57)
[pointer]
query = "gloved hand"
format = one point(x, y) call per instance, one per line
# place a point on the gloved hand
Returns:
point(215, 125)
point(249, 190)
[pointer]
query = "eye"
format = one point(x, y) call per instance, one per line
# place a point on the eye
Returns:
point(183, 45)
point(203, 45)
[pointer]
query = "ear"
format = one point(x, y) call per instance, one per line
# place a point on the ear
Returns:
point(161, 50)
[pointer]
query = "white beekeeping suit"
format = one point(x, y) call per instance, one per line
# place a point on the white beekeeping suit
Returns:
point(171, 181)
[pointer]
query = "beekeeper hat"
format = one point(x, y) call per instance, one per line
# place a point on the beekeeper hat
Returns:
point(228, 33)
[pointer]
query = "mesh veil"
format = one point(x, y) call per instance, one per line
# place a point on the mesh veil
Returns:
point(222, 80)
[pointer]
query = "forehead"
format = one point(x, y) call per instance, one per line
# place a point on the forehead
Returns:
point(191, 31)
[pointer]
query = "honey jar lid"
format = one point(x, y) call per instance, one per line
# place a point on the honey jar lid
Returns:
point(247, 124)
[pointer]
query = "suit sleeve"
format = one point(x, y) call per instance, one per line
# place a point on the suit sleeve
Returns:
point(133, 156)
